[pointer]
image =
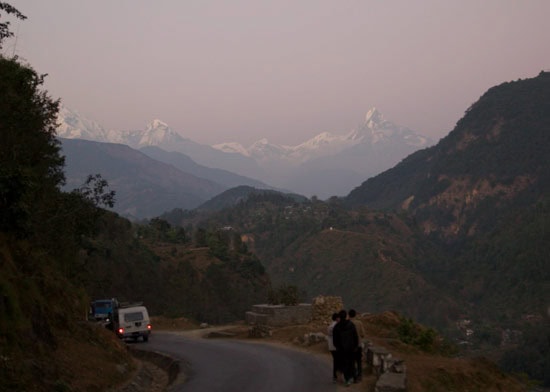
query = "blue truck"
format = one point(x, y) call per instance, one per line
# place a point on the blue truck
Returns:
point(103, 309)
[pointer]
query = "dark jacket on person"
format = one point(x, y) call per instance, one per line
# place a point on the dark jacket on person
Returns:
point(344, 336)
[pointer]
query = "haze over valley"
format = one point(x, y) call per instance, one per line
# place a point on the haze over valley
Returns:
point(324, 166)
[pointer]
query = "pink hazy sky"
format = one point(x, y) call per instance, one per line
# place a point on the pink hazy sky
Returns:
point(241, 70)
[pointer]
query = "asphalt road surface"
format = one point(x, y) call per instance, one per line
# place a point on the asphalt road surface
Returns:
point(225, 365)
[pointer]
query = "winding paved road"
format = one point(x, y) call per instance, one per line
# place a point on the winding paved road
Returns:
point(225, 365)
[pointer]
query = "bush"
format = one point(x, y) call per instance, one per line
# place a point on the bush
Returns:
point(415, 335)
point(285, 295)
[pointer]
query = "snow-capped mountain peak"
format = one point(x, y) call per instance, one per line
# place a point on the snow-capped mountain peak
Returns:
point(264, 150)
point(232, 147)
point(156, 123)
point(375, 129)
point(157, 133)
point(375, 145)
point(73, 126)
point(261, 142)
point(374, 118)
point(321, 139)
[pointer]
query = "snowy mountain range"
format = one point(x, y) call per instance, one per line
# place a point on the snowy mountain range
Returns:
point(375, 130)
point(325, 165)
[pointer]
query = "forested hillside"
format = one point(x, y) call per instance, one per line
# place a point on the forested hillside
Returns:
point(368, 257)
point(493, 161)
point(40, 232)
point(456, 234)
point(482, 194)
point(59, 250)
point(206, 275)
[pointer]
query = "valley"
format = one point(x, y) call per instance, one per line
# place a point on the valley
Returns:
point(443, 248)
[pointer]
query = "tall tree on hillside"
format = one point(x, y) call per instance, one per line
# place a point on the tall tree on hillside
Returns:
point(30, 162)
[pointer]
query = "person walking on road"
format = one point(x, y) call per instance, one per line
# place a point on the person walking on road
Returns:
point(357, 360)
point(332, 348)
point(346, 341)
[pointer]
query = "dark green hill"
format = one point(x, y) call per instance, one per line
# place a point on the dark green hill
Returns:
point(239, 194)
point(484, 191)
point(482, 196)
point(368, 258)
point(210, 278)
point(495, 159)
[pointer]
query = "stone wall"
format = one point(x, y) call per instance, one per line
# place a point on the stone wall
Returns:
point(324, 307)
point(321, 309)
point(172, 367)
point(279, 315)
point(391, 372)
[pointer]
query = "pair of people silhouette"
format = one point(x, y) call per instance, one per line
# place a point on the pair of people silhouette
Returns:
point(345, 336)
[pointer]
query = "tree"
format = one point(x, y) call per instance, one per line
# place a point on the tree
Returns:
point(95, 191)
point(31, 166)
point(4, 27)
point(284, 294)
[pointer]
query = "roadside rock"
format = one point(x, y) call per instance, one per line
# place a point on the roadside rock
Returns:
point(147, 377)
point(156, 372)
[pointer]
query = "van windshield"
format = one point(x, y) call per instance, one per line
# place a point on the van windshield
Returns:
point(134, 316)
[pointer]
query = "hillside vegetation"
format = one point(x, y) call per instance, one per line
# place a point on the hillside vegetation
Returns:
point(365, 256)
point(59, 250)
point(482, 194)
point(209, 276)
point(454, 235)
point(40, 229)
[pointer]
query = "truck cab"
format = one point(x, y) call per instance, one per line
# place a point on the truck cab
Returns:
point(102, 309)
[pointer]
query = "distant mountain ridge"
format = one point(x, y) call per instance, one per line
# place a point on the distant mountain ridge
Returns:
point(320, 166)
point(150, 181)
point(375, 129)
point(159, 134)
point(144, 187)
point(186, 164)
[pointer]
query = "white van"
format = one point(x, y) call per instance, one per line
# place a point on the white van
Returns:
point(132, 322)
